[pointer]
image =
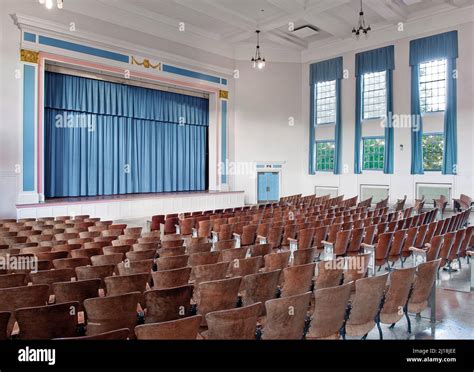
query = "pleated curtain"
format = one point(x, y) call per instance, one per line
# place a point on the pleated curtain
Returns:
point(103, 138)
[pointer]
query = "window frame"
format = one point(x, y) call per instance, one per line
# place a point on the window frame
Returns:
point(434, 112)
point(316, 156)
point(441, 134)
point(316, 99)
point(382, 138)
point(362, 93)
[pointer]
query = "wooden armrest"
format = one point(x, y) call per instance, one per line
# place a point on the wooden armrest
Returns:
point(292, 240)
point(261, 237)
point(470, 253)
point(324, 242)
point(363, 245)
point(236, 235)
point(428, 245)
point(418, 250)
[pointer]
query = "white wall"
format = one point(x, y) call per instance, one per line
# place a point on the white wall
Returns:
point(264, 102)
point(401, 182)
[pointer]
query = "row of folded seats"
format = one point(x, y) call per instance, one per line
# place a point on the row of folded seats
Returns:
point(98, 280)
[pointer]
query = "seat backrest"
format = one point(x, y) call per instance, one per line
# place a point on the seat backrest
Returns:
point(52, 276)
point(217, 295)
point(397, 244)
point(425, 278)
point(396, 296)
point(329, 311)
point(304, 256)
point(356, 240)
point(286, 317)
point(120, 284)
point(110, 313)
point(446, 247)
point(297, 279)
point(276, 261)
point(366, 304)
point(181, 329)
point(47, 322)
point(233, 324)
point(95, 272)
point(77, 291)
point(229, 255)
point(245, 266)
point(172, 262)
point(163, 305)
point(12, 280)
point(206, 273)
point(135, 267)
point(206, 258)
point(260, 287)
point(329, 273)
point(134, 256)
point(171, 278)
point(222, 245)
point(342, 242)
point(453, 253)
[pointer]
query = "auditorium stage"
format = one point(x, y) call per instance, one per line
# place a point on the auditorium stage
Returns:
point(120, 207)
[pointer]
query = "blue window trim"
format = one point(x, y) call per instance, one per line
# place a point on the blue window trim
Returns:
point(433, 134)
point(316, 156)
point(363, 152)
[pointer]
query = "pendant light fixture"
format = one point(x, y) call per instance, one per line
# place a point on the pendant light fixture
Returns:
point(258, 62)
point(49, 4)
point(362, 27)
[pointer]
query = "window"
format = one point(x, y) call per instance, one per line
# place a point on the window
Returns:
point(374, 95)
point(433, 146)
point(433, 86)
point(325, 156)
point(326, 102)
point(373, 153)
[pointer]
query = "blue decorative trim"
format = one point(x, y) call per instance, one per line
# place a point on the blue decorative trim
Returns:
point(277, 166)
point(224, 81)
point(260, 166)
point(28, 36)
point(83, 49)
point(192, 74)
point(29, 77)
point(224, 142)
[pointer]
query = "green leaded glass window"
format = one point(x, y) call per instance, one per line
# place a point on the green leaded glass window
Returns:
point(373, 153)
point(325, 156)
point(433, 146)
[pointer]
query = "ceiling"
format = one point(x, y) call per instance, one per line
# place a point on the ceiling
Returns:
point(222, 26)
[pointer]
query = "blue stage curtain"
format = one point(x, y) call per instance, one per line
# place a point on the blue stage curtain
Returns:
point(426, 49)
point(329, 70)
point(450, 157)
point(376, 60)
point(118, 139)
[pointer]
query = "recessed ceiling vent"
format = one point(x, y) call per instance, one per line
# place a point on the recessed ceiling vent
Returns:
point(305, 31)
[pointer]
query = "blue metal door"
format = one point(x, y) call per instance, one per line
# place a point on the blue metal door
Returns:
point(268, 186)
point(273, 182)
point(262, 187)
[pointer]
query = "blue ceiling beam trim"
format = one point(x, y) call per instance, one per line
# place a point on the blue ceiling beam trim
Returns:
point(28, 36)
point(83, 49)
point(191, 74)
